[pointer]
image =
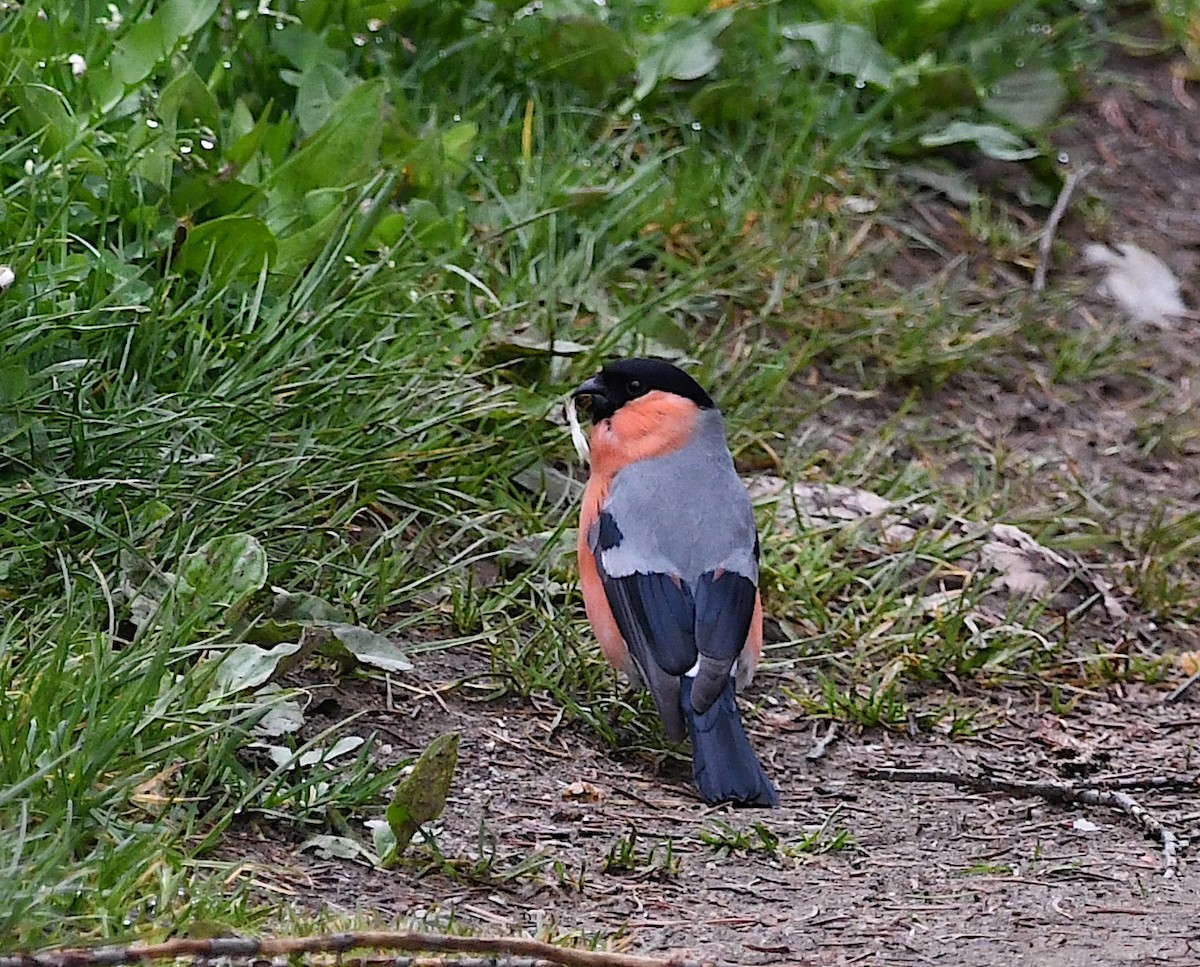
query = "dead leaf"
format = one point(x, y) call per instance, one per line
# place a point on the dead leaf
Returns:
point(585, 792)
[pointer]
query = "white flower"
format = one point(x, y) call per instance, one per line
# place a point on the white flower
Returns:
point(78, 65)
point(7, 277)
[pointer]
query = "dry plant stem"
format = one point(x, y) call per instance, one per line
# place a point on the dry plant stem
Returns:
point(1055, 792)
point(1070, 183)
point(534, 950)
point(821, 745)
point(1179, 692)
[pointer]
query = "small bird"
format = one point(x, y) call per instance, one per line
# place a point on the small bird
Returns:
point(668, 562)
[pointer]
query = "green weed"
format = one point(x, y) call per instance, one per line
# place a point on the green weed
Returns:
point(655, 862)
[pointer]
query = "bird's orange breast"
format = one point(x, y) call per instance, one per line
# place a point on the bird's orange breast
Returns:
point(650, 426)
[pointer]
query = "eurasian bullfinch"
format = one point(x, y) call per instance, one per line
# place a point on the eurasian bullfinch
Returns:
point(668, 562)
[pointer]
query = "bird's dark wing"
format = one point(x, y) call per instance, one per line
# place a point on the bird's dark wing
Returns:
point(724, 609)
point(656, 614)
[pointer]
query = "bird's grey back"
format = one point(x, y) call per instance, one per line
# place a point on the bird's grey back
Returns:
point(692, 511)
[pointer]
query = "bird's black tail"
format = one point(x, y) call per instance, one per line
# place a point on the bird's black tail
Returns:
point(723, 763)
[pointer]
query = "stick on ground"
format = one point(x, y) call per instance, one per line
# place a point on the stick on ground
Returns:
point(1179, 692)
point(1070, 183)
point(1092, 794)
point(821, 746)
point(241, 947)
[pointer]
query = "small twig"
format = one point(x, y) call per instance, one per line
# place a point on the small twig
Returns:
point(820, 746)
point(1070, 183)
point(535, 950)
point(1051, 791)
point(1179, 783)
point(433, 960)
point(1178, 693)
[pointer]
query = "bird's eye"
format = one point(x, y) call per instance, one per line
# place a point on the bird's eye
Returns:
point(636, 388)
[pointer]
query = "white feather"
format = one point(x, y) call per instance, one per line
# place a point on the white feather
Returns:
point(578, 436)
point(1139, 282)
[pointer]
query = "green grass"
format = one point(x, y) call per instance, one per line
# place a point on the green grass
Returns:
point(312, 287)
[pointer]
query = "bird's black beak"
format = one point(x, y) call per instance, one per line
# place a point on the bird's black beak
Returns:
point(592, 397)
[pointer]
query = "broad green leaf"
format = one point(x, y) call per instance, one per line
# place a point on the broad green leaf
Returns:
point(43, 110)
point(138, 52)
point(388, 230)
point(343, 151)
point(363, 646)
point(304, 607)
point(321, 87)
point(225, 570)
point(284, 717)
point(320, 203)
point(421, 796)
point(430, 160)
point(583, 51)
point(246, 667)
point(228, 246)
point(991, 139)
point(188, 102)
point(685, 51)
point(185, 102)
point(301, 241)
point(184, 17)
point(306, 50)
point(215, 192)
point(151, 41)
point(14, 381)
point(291, 616)
point(849, 50)
point(269, 633)
point(145, 588)
point(951, 182)
point(382, 837)
point(923, 89)
point(1030, 98)
point(457, 140)
point(724, 102)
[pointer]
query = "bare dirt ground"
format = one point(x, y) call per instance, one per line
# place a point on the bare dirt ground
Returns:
point(554, 834)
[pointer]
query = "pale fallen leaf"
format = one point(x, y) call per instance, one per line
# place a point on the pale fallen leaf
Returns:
point(330, 847)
